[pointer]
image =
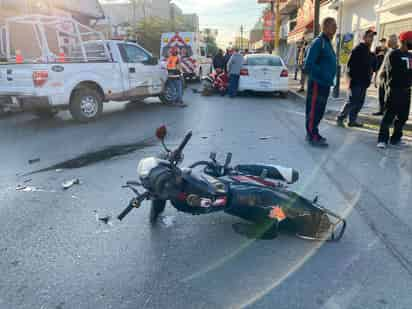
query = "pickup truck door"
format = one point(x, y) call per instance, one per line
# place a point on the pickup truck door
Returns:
point(143, 78)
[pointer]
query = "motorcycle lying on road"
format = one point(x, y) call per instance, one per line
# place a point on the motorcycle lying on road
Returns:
point(215, 82)
point(254, 192)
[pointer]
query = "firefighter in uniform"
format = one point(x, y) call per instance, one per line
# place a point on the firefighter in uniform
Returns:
point(398, 72)
point(175, 76)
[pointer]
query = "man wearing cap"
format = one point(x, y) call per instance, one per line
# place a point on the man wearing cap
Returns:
point(361, 65)
point(398, 71)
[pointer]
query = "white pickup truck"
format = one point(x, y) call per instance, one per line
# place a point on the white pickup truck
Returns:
point(108, 70)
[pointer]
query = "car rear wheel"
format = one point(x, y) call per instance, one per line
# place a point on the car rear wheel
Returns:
point(86, 104)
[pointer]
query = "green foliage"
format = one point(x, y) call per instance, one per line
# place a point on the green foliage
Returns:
point(210, 42)
point(147, 32)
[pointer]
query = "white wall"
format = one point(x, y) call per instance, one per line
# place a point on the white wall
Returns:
point(358, 16)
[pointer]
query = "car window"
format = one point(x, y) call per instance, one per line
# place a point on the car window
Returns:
point(132, 54)
point(268, 61)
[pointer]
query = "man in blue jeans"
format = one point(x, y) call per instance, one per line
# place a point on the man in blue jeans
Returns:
point(233, 66)
point(320, 66)
point(361, 65)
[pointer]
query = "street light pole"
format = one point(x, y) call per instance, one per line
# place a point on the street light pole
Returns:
point(241, 37)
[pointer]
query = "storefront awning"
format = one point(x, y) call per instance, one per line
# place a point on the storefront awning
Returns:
point(299, 32)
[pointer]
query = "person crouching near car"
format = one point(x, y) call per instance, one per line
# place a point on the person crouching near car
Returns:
point(397, 66)
point(174, 76)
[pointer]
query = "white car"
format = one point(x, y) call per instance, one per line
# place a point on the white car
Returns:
point(264, 73)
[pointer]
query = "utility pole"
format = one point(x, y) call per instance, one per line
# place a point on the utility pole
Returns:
point(277, 27)
point(172, 17)
point(316, 14)
point(241, 37)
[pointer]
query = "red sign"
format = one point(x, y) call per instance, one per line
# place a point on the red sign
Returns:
point(268, 19)
point(268, 36)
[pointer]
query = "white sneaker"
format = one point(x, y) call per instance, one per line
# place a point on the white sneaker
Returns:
point(381, 145)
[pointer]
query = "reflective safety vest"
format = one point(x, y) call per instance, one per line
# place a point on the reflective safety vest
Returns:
point(172, 62)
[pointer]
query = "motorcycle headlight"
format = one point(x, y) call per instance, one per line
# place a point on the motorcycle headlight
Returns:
point(145, 166)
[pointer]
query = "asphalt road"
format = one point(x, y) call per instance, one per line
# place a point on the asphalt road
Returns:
point(56, 253)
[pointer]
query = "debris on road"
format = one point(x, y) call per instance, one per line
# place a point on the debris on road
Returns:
point(32, 161)
point(105, 219)
point(25, 188)
point(20, 187)
point(70, 183)
point(27, 180)
point(168, 220)
point(59, 170)
point(263, 138)
point(195, 90)
point(204, 137)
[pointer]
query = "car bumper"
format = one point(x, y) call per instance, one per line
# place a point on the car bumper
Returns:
point(263, 86)
point(26, 102)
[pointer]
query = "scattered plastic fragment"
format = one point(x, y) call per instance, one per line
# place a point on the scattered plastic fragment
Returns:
point(70, 183)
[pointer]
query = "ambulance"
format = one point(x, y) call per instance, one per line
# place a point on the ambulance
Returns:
point(192, 51)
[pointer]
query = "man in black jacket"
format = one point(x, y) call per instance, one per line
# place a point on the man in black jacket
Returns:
point(398, 71)
point(219, 60)
point(361, 65)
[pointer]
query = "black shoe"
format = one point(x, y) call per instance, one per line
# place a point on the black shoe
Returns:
point(355, 124)
point(301, 90)
point(378, 114)
point(339, 122)
point(317, 142)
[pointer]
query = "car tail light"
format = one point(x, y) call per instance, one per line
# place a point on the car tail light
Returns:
point(244, 72)
point(40, 78)
point(284, 73)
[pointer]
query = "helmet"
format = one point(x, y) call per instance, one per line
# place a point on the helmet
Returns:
point(173, 51)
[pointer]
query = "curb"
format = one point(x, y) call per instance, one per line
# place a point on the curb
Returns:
point(332, 114)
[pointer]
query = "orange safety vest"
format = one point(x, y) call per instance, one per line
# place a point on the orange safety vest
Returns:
point(172, 62)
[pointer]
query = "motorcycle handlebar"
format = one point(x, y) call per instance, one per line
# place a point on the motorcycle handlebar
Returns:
point(125, 212)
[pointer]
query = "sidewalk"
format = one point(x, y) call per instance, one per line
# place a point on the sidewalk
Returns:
point(335, 104)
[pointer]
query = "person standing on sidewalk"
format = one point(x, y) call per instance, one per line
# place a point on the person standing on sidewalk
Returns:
point(233, 66)
point(320, 65)
point(380, 75)
point(361, 65)
point(301, 62)
point(398, 70)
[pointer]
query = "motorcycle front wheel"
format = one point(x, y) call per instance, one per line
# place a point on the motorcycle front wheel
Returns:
point(157, 207)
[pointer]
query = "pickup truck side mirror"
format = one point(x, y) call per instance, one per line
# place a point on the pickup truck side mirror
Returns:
point(152, 61)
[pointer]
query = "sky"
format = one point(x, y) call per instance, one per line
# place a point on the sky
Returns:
point(224, 15)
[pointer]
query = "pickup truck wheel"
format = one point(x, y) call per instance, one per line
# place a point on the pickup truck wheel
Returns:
point(45, 113)
point(86, 104)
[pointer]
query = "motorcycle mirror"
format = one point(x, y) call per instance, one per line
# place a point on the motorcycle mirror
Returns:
point(212, 156)
point(161, 132)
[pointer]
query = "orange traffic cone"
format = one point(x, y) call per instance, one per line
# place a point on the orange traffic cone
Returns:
point(19, 56)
